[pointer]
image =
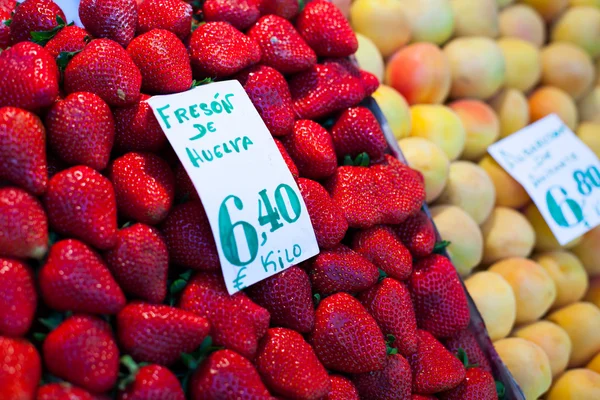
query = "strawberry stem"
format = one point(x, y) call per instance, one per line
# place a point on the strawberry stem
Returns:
point(501, 390)
point(316, 299)
point(43, 37)
point(132, 367)
point(440, 247)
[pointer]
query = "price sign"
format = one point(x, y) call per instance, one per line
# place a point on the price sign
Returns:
point(257, 215)
point(560, 173)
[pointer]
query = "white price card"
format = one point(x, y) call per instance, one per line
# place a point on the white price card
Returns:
point(255, 209)
point(560, 173)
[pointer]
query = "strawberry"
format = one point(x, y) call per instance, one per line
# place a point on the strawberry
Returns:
point(140, 262)
point(23, 150)
point(478, 384)
point(346, 338)
point(75, 278)
point(34, 16)
point(8, 5)
point(189, 238)
point(326, 30)
point(311, 148)
point(81, 203)
point(438, 297)
point(144, 187)
point(323, 89)
point(393, 382)
point(287, 9)
point(159, 334)
point(270, 94)
point(342, 270)
point(71, 38)
point(218, 50)
point(390, 304)
point(288, 160)
point(163, 61)
point(434, 368)
point(110, 19)
point(418, 234)
point(21, 369)
point(23, 225)
point(184, 188)
point(63, 391)
point(18, 298)
point(289, 366)
point(369, 82)
point(82, 350)
point(466, 341)
point(357, 131)
point(288, 298)
point(137, 128)
point(149, 382)
point(382, 247)
point(326, 217)
point(281, 45)
point(227, 375)
point(235, 321)
point(242, 14)
point(342, 389)
point(415, 396)
point(29, 77)
point(172, 15)
point(81, 130)
point(4, 29)
point(106, 69)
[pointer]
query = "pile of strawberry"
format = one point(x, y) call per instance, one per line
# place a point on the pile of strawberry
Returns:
point(110, 283)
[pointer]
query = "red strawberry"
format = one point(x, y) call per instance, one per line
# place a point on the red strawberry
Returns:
point(270, 94)
point(289, 366)
point(110, 19)
point(326, 30)
point(382, 247)
point(81, 130)
point(18, 298)
point(75, 278)
point(8, 5)
point(357, 131)
point(21, 369)
point(140, 262)
point(150, 382)
point(393, 382)
point(288, 160)
point(189, 238)
point(438, 297)
point(342, 389)
point(287, 9)
point(29, 77)
point(281, 45)
point(23, 225)
point(311, 147)
point(418, 234)
point(184, 188)
point(342, 270)
point(106, 69)
point(4, 29)
point(478, 384)
point(63, 391)
point(323, 89)
point(137, 128)
point(434, 368)
point(81, 203)
point(71, 38)
point(346, 338)
point(390, 304)
point(23, 150)
point(34, 16)
point(159, 334)
point(288, 298)
point(369, 82)
point(466, 341)
point(242, 14)
point(172, 15)
point(326, 217)
point(422, 397)
point(227, 375)
point(144, 187)
point(235, 321)
point(82, 350)
point(163, 61)
point(217, 50)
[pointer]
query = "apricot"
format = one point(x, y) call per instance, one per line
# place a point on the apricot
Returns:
point(588, 251)
point(567, 67)
point(475, 18)
point(589, 106)
point(523, 63)
point(368, 57)
point(431, 20)
point(581, 26)
point(504, 3)
point(441, 125)
point(576, 384)
point(495, 301)
point(593, 293)
point(506, 233)
point(509, 192)
point(523, 22)
point(548, 9)
point(421, 73)
point(568, 275)
point(548, 100)
point(512, 109)
point(464, 235)
point(581, 321)
point(594, 365)
point(481, 126)
point(395, 109)
point(593, 3)
point(544, 238)
point(429, 159)
point(477, 67)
